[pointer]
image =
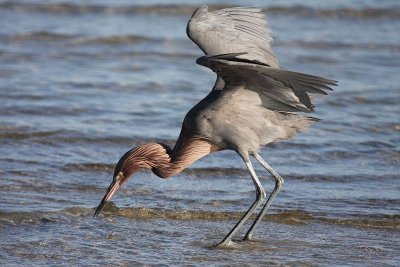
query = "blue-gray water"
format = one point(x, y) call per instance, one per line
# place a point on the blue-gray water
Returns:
point(81, 83)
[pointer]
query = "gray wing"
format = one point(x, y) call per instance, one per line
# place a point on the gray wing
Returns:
point(232, 30)
point(279, 89)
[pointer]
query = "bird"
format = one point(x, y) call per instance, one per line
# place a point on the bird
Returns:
point(253, 103)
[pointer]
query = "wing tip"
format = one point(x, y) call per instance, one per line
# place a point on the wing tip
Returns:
point(313, 119)
point(200, 11)
point(202, 61)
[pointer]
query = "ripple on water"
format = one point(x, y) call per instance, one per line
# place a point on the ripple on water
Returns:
point(293, 217)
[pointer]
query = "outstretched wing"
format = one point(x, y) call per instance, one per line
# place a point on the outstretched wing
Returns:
point(232, 30)
point(279, 89)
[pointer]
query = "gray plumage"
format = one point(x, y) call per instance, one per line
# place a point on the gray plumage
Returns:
point(253, 101)
point(232, 30)
point(252, 104)
point(256, 102)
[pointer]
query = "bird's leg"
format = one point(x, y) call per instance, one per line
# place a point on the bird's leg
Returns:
point(278, 186)
point(260, 198)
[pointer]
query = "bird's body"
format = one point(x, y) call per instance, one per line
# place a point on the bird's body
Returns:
point(252, 104)
point(246, 124)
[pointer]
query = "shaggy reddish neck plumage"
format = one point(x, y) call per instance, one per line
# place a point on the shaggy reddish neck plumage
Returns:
point(163, 161)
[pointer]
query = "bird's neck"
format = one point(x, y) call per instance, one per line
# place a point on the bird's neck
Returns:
point(165, 162)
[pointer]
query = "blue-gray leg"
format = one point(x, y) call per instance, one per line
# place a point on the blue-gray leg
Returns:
point(260, 198)
point(278, 186)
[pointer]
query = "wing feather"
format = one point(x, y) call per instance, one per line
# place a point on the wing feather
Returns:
point(279, 89)
point(232, 30)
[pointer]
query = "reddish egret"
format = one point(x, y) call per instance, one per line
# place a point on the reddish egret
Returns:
point(252, 104)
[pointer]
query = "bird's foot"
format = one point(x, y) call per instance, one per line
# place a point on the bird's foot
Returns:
point(227, 245)
point(248, 237)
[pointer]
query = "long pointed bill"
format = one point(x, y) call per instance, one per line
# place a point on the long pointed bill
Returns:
point(114, 186)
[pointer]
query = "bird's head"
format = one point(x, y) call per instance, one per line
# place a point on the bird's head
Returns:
point(146, 156)
point(122, 171)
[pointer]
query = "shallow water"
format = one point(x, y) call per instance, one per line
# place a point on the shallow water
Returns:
point(80, 84)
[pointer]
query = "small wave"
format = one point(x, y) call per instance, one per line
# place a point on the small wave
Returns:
point(338, 178)
point(88, 167)
point(378, 144)
point(296, 10)
point(337, 45)
point(163, 54)
point(363, 100)
point(80, 8)
point(77, 138)
point(45, 36)
point(78, 40)
point(72, 137)
point(346, 12)
point(215, 171)
point(38, 36)
point(112, 40)
point(49, 111)
point(109, 167)
point(27, 135)
point(291, 217)
point(17, 218)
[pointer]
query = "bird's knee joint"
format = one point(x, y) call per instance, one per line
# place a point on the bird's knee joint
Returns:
point(261, 195)
point(280, 182)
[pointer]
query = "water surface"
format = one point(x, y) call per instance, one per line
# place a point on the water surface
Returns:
point(80, 84)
